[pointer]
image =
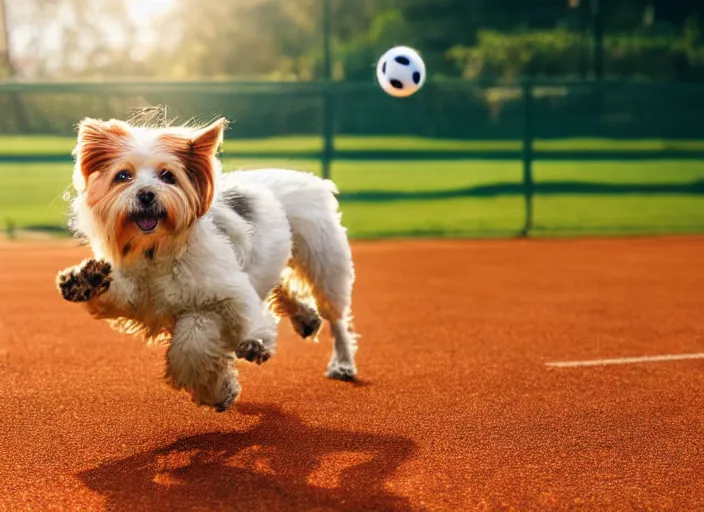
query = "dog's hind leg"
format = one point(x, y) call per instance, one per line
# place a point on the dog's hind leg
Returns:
point(285, 301)
point(321, 257)
point(324, 264)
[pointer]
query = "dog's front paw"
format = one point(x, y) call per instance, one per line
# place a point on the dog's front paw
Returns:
point(80, 284)
point(229, 392)
point(219, 395)
point(253, 351)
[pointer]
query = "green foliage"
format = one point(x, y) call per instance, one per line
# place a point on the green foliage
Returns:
point(545, 53)
point(558, 53)
point(281, 39)
point(358, 56)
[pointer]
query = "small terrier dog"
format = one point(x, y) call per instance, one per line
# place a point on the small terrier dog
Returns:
point(203, 260)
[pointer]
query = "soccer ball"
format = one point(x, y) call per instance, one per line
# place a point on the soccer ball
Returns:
point(400, 71)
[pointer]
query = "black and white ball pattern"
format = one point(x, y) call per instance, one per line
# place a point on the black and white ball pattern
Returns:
point(401, 71)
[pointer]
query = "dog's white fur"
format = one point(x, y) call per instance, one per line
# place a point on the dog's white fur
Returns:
point(209, 293)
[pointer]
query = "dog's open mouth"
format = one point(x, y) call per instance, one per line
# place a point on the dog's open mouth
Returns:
point(147, 223)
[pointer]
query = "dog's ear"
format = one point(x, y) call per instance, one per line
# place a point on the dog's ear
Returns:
point(207, 141)
point(98, 143)
point(198, 151)
point(204, 145)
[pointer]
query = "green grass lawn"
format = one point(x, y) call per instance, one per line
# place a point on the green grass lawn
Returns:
point(47, 145)
point(31, 196)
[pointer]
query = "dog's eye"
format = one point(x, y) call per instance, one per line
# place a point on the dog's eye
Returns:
point(167, 177)
point(123, 176)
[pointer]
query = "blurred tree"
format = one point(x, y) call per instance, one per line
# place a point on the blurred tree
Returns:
point(76, 39)
point(6, 64)
point(281, 39)
point(436, 26)
point(663, 15)
point(14, 111)
point(95, 39)
point(247, 38)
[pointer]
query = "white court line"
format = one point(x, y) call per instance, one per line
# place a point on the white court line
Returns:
point(625, 360)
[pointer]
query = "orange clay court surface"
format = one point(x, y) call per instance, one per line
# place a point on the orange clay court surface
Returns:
point(456, 408)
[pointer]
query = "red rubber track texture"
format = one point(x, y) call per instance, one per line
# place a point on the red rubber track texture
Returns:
point(455, 408)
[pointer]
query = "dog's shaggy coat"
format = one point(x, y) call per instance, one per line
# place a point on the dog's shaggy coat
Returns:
point(202, 260)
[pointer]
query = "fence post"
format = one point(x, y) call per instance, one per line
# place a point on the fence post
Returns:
point(598, 28)
point(328, 128)
point(328, 91)
point(528, 156)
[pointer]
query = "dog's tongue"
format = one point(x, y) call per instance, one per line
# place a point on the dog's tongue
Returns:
point(147, 223)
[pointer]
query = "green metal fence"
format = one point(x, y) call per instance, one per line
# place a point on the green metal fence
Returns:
point(451, 121)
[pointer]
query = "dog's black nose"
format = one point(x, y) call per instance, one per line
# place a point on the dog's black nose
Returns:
point(145, 197)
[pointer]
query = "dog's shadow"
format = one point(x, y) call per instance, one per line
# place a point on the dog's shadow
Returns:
point(279, 464)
